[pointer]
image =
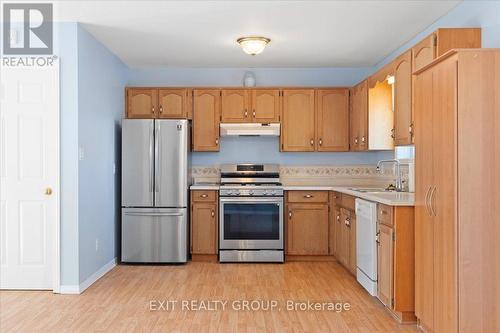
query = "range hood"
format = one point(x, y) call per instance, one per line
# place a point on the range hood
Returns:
point(250, 129)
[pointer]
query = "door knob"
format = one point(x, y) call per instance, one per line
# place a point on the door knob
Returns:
point(48, 191)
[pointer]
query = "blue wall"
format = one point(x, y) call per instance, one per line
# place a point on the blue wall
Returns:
point(101, 81)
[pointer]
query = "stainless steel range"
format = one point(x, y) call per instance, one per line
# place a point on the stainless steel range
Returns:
point(251, 214)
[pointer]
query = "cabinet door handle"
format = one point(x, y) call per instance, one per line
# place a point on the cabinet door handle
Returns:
point(320, 142)
point(217, 141)
point(213, 213)
point(290, 214)
point(204, 195)
point(338, 218)
point(393, 134)
point(363, 139)
point(161, 109)
point(253, 113)
point(410, 129)
point(312, 142)
point(246, 113)
point(377, 238)
point(153, 109)
point(356, 140)
point(347, 223)
point(431, 201)
point(308, 196)
point(426, 201)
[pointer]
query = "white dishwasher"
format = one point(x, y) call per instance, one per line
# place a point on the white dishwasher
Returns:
point(366, 245)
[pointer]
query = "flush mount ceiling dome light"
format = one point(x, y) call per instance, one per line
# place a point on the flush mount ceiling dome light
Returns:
point(253, 45)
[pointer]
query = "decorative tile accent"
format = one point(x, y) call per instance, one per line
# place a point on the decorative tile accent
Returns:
point(329, 171)
point(203, 171)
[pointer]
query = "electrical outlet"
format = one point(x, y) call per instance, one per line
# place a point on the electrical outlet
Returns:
point(81, 153)
point(96, 245)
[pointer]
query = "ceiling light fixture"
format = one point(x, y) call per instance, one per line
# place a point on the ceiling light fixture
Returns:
point(253, 45)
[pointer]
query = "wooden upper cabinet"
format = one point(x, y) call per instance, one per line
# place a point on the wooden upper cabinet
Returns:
point(173, 103)
point(236, 106)
point(142, 103)
point(266, 105)
point(403, 119)
point(307, 229)
point(443, 40)
point(359, 117)
point(297, 132)
point(332, 120)
point(206, 119)
point(424, 52)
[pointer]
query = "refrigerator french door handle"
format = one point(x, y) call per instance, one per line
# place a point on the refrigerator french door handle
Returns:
point(153, 214)
point(151, 158)
point(157, 161)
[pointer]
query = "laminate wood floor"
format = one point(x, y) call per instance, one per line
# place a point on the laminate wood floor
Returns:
point(134, 298)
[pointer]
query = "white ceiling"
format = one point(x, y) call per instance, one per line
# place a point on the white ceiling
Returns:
point(203, 33)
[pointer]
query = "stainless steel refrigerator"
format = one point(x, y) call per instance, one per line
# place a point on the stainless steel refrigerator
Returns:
point(155, 181)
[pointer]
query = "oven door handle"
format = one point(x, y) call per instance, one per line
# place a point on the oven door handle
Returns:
point(250, 200)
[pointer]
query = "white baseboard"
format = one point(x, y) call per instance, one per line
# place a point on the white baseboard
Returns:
point(97, 275)
point(69, 289)
point(78, 289)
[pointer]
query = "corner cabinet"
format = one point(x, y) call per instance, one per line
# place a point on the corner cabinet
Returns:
point(204, 225)
point(403, 117)
point(206, 119)
point(298, 125)
point(457, 197)
point(359, 117)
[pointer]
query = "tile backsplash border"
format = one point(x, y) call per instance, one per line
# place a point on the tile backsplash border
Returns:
point(328, 175)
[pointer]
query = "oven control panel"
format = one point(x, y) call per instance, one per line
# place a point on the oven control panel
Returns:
point(251, 192)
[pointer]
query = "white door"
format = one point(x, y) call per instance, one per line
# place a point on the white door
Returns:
point(29, 170)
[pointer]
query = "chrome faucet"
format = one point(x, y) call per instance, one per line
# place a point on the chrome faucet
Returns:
point(399, 182)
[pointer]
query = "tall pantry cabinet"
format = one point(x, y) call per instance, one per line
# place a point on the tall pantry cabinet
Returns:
point(457, 228)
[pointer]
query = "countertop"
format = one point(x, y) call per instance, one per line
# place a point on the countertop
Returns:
point(386, 198)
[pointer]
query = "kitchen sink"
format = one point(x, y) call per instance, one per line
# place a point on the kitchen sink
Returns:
point(370, 189)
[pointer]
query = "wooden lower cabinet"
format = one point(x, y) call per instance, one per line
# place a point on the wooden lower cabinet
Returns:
point(307, 223)
point(307, 229)
point(385, 262)
point(396, 261)
point(204, 225)
point(344, 223)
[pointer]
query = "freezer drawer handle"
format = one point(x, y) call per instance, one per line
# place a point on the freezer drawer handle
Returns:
point(154, 214)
